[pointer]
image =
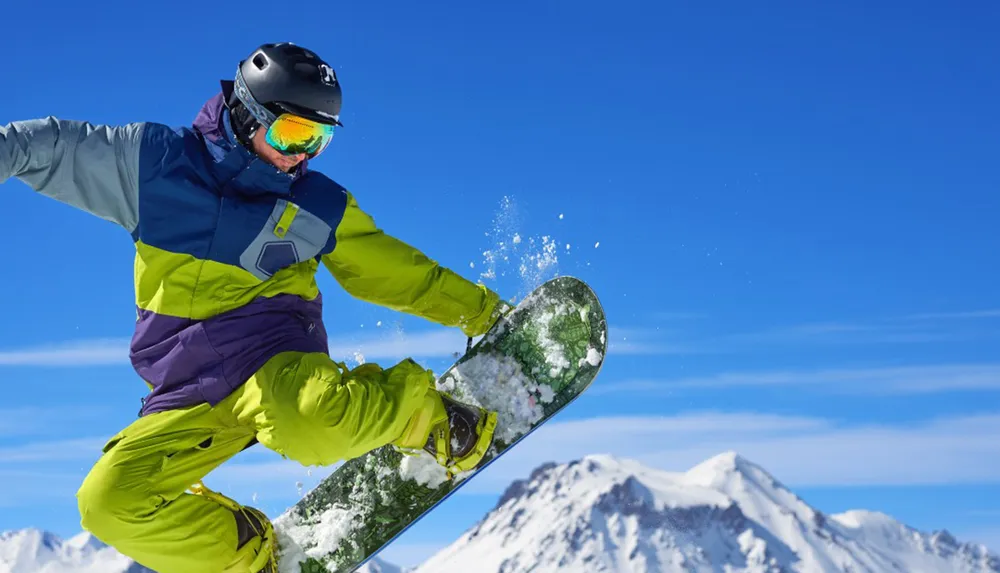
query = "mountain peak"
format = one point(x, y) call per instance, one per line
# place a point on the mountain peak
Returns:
point(722, 466)
point(85, 541)
point(603, 468)
point(600, 512)
point(34, 536)
point(31, 550)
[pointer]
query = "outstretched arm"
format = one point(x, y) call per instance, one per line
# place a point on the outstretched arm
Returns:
point(91, 167)
point(378, 268)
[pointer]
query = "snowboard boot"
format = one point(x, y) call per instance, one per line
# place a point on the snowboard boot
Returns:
point(256, 551)
point(456, 434)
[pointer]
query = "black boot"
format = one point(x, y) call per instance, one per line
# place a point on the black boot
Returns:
point(251, 523)
point(461, 443)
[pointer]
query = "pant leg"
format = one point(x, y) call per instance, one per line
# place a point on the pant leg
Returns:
point(306, 408)
point(301, 405)
point(134, 497)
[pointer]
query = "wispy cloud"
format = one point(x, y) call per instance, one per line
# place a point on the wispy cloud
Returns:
point(960, 315)
point(96, 352)
point(798, 451)
point(983, 512)
point(645, 341)
point(989, 536)
point(31, 488)
point(410, 554)
point(908, 329)
point(837, 333)
point(388, 343)
point(385, 344)
point(53, 451)
point(678, 316)
point(396, 344)
point(887, 380)
point(31, 420)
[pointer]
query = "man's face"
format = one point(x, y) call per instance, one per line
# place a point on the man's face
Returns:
point(271, 155)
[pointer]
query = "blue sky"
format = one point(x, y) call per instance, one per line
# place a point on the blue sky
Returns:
point(788, 209)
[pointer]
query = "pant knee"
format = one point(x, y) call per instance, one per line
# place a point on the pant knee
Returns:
point(107, 503)
point(330, 418)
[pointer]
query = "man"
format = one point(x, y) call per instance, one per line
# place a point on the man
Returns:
point(230, 228)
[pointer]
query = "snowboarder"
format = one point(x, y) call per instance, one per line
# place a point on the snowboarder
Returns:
point(230, 227)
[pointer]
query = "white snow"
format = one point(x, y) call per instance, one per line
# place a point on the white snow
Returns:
point(533, 259)
point(497, 383)
point(593, 357)
point(555, 354)
point(376, 565)
point(726, 514)
point(35, 551)
point(321, 536)
point(424, 469)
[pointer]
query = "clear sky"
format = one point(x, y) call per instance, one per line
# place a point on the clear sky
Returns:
point(789, 209)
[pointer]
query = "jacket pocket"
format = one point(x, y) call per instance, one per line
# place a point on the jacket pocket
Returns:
point(290, 236)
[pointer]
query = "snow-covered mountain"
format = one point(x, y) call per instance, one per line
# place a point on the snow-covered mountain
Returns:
point(35, 551)
point(726, 514)
point(613, 515)
point(377, 565)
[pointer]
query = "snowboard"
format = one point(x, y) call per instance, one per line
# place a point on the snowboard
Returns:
point(530, 365)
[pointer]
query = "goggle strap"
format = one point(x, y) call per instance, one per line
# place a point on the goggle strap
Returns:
point(259, 112)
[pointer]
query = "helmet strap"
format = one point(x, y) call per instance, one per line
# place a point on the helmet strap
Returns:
point(243, 123)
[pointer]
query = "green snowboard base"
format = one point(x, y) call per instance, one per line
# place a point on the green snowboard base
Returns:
point(527, 368)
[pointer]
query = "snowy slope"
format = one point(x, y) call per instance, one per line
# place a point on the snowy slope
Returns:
point(377, 565)
point(35, 551)
point(726, 514)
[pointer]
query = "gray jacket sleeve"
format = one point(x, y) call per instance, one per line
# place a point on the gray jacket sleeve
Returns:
point(92, 167)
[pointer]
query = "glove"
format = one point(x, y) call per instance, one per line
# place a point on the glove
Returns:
point(501, 311)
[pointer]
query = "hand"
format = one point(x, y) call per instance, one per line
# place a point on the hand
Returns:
point(501, 311)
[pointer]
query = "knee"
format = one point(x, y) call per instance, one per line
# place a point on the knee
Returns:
point(108, 504)
point(300, 408)
point(326, 417)
point(303, 434)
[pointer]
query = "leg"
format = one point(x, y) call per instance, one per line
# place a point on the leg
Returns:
point(134, 498)
point(306, 408)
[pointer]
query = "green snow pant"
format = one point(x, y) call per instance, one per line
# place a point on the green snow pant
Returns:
point(300, 405)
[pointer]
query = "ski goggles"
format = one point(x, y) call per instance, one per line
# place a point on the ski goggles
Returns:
point(291, 135)
point(288, 133)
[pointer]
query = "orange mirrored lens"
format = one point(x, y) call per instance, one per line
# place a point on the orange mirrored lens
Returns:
point(291, 135)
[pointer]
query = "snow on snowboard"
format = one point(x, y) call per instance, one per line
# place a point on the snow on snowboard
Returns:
point(528, 367)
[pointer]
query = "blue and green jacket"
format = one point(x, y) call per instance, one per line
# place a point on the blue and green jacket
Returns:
point(227, 247)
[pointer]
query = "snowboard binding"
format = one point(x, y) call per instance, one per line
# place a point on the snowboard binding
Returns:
point(460, 442)
point(256, 546)
point(457, 435)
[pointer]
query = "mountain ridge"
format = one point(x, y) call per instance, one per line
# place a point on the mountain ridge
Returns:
point(604, 513)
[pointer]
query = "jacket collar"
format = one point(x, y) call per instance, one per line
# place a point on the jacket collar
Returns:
point(237, 170)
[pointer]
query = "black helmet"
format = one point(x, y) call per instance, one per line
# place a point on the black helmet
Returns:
point(285, 78)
